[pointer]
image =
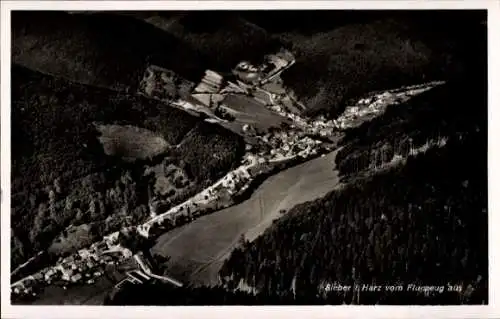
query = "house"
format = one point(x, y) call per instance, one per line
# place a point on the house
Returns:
point(101, 246)
point(76, 277)
point(38, 276)
point(49, 274)
point(243, 65)
point(84, 253)
point(90, 264)
point(67, 273)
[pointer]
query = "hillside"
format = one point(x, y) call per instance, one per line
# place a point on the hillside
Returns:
point(423, 223)
point(421, 122)
point(344, 62)
point(223, 36)
point(419, 219)
point(401, 199)
point(340, 55)
point(61, 174)
point(105, 50)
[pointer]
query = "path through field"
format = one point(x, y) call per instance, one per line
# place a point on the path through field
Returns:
point(198, 249)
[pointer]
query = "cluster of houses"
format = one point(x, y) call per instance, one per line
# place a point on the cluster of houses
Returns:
point(289, 144)
point(83, 267)
point(377, 104)
point(273, 64)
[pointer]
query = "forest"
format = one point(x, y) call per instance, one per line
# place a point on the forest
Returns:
point(404, 128)
point(456, 108)
point(340, 58)
point(61, 176)
point(105, 49)
point(425, 223)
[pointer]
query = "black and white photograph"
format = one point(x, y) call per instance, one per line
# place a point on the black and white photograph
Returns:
point(247, 157)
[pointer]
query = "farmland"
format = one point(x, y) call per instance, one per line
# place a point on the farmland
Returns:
point(248, 110)
point(198, 249)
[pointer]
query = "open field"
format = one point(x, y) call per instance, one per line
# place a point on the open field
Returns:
point(131, 142)
point(249, 111)
point(75, 237)
point(197, 250)
point(76, 295)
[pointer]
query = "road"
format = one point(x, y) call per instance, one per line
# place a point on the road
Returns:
point(198, 249)
point(198, 198)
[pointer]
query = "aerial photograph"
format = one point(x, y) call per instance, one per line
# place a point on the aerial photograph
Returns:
point(279, 157)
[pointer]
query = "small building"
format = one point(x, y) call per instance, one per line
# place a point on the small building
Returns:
point(66, 274)
point(76, 277)
point(243, 65)
point(38, 276)
point(49, 274)
point(84, 253)
point(90, 264)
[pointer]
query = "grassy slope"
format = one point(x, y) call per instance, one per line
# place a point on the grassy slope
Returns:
point(99, 49)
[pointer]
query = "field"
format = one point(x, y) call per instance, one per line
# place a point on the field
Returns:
point(74, 239)
point(197, 250)
point(249, 111)
point(84, 294)
point(76, 295)
point(130, 143)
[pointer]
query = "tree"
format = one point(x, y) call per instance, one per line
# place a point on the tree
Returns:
point(94, 215)
point(39, 222)
point(57, 185)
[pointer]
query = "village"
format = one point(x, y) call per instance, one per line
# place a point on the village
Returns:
point(85, 266)
point(302, 139)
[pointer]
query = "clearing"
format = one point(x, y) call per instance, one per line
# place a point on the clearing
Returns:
point(249, 111)
point(131, 142)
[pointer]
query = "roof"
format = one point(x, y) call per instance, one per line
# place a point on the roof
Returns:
point(76, 277)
